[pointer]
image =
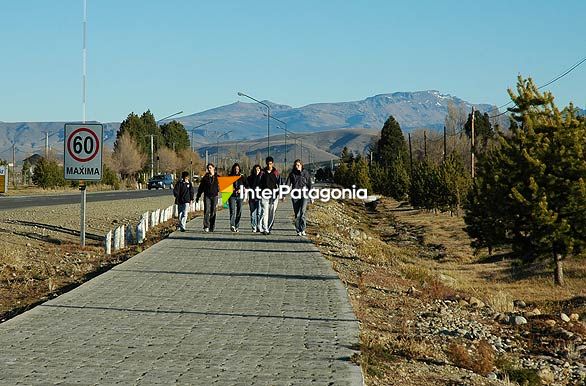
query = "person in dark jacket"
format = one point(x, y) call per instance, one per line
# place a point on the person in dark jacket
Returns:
point(252, 182)
point(183, 192)
point(209, 187)
point(235, 202)
point(299, 178)
point(269, 181)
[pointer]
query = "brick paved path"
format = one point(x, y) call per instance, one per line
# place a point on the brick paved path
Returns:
point(217, 308)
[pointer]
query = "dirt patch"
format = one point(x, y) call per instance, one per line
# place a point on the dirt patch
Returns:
point(430, 312)
point(40, 255)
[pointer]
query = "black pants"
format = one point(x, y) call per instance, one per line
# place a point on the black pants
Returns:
point(209, 212)
point(300, 208)
point(235, 204)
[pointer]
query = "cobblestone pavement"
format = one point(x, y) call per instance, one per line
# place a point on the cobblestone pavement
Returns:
point(197, 308)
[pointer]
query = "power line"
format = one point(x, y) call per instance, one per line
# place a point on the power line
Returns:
point(542, 86)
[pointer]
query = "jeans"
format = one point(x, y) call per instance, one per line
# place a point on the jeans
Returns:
point(300, 208)
point(269, 207)
point(209, 212)
point(235, 204)
point(255, 214)
point(183, 209)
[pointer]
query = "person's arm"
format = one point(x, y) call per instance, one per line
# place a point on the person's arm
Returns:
point(191, 192)
point(176, 190)
point(200, 188)
point(309, 182)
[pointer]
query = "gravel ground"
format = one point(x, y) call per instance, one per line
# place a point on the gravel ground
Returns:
point(38, 261)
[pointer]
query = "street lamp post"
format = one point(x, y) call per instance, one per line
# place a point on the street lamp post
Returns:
point(218, 147)
point(191, 147)
point(286, 131)
point(268, 120)
point(152, 144)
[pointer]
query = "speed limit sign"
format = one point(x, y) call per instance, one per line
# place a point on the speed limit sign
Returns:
point(83, 151)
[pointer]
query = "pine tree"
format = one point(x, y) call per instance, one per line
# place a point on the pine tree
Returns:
point(483, 130)
point(175, 136)
point(360, 176)
point(537, 177)
point(392, 145)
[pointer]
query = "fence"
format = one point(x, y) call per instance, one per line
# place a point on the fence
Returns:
point(126, 234)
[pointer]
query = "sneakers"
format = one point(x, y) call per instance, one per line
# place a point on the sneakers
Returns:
point(233, 228)
point(303, 233)
point(253, 230)
point(298, 233)
point(206, 230)
point(236, 230)
point(182, 229)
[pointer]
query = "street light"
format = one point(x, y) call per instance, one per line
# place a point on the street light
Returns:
point(191, 147)
point(152, 145)
point(286, 131)
point(286, 135)
point(218, 146)
point(268, 120)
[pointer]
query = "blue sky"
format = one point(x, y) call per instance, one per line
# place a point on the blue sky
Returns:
point(188, 55)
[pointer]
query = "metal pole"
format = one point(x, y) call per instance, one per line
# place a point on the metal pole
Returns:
point(84, 53)
point(82, 213)
point(14, 165)
point(152, 156)
point(46, 145)
point(285, 150)
point(207, 162)
point(268, 131)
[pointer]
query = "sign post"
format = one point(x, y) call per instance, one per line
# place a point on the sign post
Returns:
point(82, 159)
point(3, 179)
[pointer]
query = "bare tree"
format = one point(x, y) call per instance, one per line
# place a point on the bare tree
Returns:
point(189, 160)
point(168, 160)
point(127, 157)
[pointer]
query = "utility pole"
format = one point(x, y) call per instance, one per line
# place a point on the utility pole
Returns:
point(472, 145)
point(14, 164)
point(445, 146)
point(425, 144)
point(46, 145)
point(152, 154)
point(410, 154)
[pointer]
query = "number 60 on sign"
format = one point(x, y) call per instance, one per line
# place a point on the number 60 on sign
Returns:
point(83, 151)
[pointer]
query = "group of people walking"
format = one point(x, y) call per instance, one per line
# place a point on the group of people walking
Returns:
point(262, 210)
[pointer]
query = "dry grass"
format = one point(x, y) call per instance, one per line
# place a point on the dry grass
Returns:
point(481, 359)
point(495, 280)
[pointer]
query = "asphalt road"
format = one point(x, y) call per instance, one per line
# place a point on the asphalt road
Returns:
point(60, 199)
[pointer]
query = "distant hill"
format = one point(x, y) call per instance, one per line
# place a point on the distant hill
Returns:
point(421, 109)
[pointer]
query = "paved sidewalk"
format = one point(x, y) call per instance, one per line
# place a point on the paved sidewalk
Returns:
point(197, 308)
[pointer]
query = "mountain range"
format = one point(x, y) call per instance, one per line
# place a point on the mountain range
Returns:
point(248, 121)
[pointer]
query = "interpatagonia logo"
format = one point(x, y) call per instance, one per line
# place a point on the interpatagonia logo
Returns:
point(226, 188)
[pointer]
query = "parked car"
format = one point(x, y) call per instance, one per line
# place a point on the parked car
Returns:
point(161, 181)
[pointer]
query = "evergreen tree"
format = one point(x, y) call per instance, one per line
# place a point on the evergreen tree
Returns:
point(359, 174)
point(175, 136)
point(341, 176)
point(48, 174)
point(483, 130)
point(538, 180)
point(392, 145)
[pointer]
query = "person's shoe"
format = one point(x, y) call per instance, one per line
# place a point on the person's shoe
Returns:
point(206, 229)
point(298, 233)
point(232, 228)
point(303, 233)
point(182, 229)
point(236, 230)
point(253, 230)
